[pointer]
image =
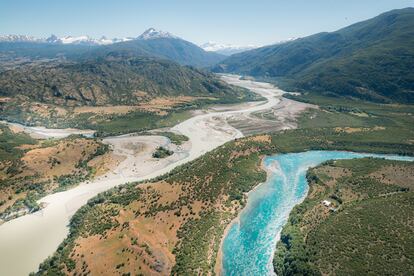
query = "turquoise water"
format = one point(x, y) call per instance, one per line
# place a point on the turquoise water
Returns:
point(249, 245)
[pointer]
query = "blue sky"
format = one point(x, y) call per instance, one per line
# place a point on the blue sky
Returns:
point(241, 22)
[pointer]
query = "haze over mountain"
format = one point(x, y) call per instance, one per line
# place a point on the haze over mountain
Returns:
point(151, 43)
point(372, 60)
point(53, 39)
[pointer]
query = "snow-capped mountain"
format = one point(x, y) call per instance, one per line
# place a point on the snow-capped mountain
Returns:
point(151, 43)
point(80, 40)
point(18, 38)
point(53, 39)
point(225, 49)
point(152, 33)
point(86, 40)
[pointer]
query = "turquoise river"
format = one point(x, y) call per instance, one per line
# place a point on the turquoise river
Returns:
point(249, 245)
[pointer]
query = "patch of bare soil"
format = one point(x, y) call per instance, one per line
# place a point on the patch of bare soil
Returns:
point(16, 128)
point(159, 105)
point(399, 175)
point(103, 110)
point(257, 138)
point(105, 163)
point(60, 159)
point(141, 245)
point(146, 236)
point(358, 129)
point(5, 99)
point(143, 242)
point(45, 110)
point(41, 165)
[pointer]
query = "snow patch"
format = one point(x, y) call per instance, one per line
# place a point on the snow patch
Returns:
point(225, 49)
point(152, 33)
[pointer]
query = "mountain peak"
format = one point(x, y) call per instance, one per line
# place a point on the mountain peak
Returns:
point(52, 39)
point(153, 33)
point(225, 49)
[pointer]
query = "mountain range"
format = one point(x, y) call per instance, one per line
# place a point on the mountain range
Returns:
point(372, 60)
point(151, 43)
point(161, 45)
point(69, 72)
point(53, 39)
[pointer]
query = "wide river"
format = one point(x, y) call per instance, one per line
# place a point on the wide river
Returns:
point(249, 245)
point(26, 241)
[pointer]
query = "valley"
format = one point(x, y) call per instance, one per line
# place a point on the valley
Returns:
point(124, 218)
point(369, 60)
point(242, 174)
point(143, 153)
point(150, 93)
point(47, 227)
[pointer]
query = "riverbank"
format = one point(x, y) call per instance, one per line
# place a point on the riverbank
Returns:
point(218, 180)
point(38, 132)
point(33, 168)
point(250, 241)
point(31, 238)
point(351, 206)
point(218, 268)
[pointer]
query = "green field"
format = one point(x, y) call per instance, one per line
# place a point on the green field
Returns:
point(336, 112)
point(136, 122)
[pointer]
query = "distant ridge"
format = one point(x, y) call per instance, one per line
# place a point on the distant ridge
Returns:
point(151, 43)
point(150, 33)
point(225, 49)
point(372, 60)
point(53, 39)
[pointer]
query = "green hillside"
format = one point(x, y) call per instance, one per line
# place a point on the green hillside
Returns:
point(175, 49)
point(372, 60)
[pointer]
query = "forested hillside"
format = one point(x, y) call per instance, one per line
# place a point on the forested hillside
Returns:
point(372, 60)
point(112, 81)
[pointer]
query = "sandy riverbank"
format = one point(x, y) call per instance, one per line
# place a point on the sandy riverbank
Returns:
point(218, 268)
point(45, 133)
